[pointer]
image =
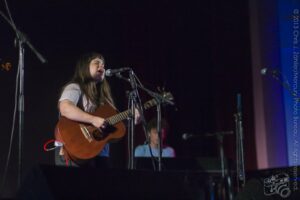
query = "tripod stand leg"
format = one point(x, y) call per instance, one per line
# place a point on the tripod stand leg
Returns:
point(229, 187)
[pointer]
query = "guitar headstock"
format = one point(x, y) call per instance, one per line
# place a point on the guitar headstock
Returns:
point(166, 95)
point(167, 98)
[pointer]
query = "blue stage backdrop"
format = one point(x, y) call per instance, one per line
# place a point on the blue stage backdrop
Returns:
point(289, 12)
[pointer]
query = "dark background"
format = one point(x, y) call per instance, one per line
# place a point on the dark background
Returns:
point(199, 51)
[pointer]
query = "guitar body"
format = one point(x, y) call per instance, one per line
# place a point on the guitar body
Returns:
point(83, 141)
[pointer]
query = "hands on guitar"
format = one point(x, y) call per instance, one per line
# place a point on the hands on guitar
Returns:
point(85, 140)
point(98, 122)
point(103, 131)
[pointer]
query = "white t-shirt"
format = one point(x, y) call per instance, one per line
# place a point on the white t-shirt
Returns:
point(73, 93)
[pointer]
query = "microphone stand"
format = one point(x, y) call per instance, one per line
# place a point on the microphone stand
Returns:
point(158, 128)
point(240, 165)
point(221, 148)
point(226, 180)
point(132, 102)
point(159, 99)
point(21, 39)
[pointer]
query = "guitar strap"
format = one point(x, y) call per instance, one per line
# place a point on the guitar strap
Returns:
point(80, 102)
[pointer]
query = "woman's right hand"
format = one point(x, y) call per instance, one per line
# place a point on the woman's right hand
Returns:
point(98, 122)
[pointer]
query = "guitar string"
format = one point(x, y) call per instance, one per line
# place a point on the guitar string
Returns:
point(121, 116)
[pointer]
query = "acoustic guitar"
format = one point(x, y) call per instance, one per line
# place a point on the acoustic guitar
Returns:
point(82, 141)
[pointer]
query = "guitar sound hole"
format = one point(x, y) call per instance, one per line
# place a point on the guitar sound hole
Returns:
point(100, 134)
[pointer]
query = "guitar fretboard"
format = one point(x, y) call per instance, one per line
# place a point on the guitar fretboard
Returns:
point(124, 115)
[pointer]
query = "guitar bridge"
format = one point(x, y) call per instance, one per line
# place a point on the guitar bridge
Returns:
point(86, 133)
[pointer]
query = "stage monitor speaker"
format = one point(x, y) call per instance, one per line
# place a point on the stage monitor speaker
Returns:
point(50, 182)
point(200, 164)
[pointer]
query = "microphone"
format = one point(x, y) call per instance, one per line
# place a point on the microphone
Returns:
point(273, 72)
point(111, 72)
point(187, 136)
point(276, 74)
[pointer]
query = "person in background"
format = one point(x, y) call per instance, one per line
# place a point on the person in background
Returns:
point(152, 146)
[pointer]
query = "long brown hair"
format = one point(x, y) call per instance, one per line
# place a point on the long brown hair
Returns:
point(96, 92)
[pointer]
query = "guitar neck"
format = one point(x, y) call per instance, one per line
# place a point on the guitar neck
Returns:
point(125, 114)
